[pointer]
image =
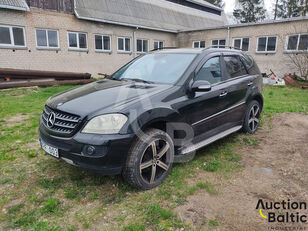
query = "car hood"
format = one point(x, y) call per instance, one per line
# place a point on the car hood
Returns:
point(104, 95)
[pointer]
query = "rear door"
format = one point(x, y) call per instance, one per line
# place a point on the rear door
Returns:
point(239, 81)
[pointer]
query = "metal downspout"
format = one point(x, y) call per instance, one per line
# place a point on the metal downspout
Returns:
point(135, 43)
point(229, 36)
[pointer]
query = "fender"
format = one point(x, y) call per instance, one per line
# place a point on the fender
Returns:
point(257, 96)
point(150, 116)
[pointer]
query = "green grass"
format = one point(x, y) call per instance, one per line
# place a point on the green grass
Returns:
point(213, 223)
point(279, 99)
point(48, 191)
point(208, 186)
point(250, 141)
point(50, 205)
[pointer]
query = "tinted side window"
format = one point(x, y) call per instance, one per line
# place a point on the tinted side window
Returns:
point(210, 71)
point(250, 64)
point(235, 67)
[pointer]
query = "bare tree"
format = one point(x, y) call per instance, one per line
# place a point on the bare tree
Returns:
point(300, 61)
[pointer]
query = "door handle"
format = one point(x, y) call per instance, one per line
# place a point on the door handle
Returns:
point(222, 94)
point(249, 84)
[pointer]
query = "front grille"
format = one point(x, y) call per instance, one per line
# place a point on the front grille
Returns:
point(64, 122)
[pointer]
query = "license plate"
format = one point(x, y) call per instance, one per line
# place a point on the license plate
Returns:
point(50, 150)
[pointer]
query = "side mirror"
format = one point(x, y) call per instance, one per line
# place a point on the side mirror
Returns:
point(201, 86)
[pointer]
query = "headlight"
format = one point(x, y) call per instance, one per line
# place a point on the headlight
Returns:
point(105, 124)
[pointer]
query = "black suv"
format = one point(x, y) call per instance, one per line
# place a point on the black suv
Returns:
point(157, 109)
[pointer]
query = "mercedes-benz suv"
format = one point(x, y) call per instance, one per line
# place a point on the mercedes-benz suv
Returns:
point(158, 109)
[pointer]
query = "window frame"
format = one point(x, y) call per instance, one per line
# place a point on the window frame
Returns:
point(124, 51)
point(286, 50)
point(221, 65)
point(158, 41)
point(266, 51)
point(238, 56)
point(199, 44)
point(218, 45)
point(12, 45)
point(77, 40)
point(241, 46)
point(142, 41)
point(47, 39)
point(103, 50)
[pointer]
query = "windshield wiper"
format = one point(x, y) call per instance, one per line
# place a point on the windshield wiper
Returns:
point(137, 80)
point(112, 78)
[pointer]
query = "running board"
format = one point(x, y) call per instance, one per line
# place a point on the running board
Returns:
point(210, 140)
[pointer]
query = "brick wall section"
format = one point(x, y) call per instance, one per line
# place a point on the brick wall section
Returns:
point(75, 61)
point(279, 62)
point(64, 60)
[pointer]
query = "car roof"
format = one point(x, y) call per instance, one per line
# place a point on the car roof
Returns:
point(180, 51)
point(195, 50)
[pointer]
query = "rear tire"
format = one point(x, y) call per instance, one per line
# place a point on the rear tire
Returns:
point(149, 159)
point(252, 117)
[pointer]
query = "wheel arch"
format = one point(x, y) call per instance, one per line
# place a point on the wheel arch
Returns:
point(259, 98)
point(155, 118)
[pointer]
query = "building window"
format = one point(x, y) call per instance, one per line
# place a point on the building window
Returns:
point(221, 43)
point(158, 45)
point(297, 42)
point(102, 43)
point(241, 43)
point(12, 36)
point(77, 41)
point(199, 44)
point(142, 45)
point(47, 39)
point(123, 44)
point(267, 44)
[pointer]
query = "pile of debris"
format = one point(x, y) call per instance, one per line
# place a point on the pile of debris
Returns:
point(291, 80)
point(272, 79)
point(11, 78)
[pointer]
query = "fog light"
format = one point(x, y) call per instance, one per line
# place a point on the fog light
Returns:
point(90, 150)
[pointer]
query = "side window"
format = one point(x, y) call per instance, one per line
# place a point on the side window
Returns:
point(210, 71)
point(234, 66)
point(250, 64)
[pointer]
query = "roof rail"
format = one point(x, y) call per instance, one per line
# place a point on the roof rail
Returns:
point(223, 46)
point(163, 48)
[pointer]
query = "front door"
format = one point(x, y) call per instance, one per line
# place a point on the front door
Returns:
point(205, 107)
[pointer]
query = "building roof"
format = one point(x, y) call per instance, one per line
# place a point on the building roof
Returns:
point(158, 15)
point(265, 22)
point(14, 5)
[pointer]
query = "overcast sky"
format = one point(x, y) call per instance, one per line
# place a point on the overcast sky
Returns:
point(230, 5)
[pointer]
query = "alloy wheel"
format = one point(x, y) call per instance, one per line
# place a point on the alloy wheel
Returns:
point(155, 161)
point(254, 118)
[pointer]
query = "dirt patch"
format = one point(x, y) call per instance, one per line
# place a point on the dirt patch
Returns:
point(274, 170)
point(15, 120)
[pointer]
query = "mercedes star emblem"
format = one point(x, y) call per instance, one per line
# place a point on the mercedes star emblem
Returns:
point(51, 120)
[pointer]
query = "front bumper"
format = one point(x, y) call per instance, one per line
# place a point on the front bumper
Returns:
point(108, 158)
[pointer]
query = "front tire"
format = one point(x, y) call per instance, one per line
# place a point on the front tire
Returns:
point(252, 117)
point(149, 160)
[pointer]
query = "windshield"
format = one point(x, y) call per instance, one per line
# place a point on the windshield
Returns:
point(155, 68)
